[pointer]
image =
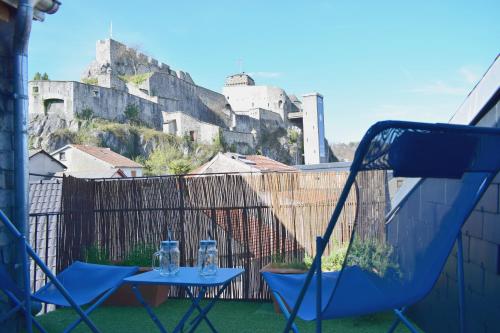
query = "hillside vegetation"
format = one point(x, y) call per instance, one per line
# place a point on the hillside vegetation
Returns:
point(159, 152)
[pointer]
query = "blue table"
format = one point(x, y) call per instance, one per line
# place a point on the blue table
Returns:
point(187, 277)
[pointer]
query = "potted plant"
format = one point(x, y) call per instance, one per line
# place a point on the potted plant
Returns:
point(330, 263)
point(140, 255)
point(279, 265)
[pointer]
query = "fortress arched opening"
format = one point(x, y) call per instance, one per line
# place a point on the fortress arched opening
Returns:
point(53, 105)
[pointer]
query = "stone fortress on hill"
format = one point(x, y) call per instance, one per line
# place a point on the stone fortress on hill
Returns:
point(168, 100)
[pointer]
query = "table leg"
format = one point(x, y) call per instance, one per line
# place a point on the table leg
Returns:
point(207, 308)
point(148, 309)
point(188, 313)
point(200, 310)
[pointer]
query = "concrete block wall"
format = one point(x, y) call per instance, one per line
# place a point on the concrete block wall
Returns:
point(438, 312)
point(6, 126)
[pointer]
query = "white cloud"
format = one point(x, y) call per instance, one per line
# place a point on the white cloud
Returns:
point(266, 75)
point(440, 88)
point(468, 74)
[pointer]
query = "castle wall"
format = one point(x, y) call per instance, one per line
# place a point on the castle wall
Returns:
point(238, 138)
point(243, 98)
point(42, 92)
point(111, 104)
point(179, 95)
point(126, 60)
point(181, 124)
point(75, 97)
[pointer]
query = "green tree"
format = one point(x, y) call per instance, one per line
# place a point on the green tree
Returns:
point(37, 76)
point(132, 113)
point(159, 160)
point(45, 77)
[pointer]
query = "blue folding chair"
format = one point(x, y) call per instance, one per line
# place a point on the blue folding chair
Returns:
point(79, 284)
point(395, 268)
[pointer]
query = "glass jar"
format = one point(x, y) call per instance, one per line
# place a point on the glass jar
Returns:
point(168, 258)
point(207, 258)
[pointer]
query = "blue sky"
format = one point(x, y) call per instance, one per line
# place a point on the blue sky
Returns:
point(371, 60)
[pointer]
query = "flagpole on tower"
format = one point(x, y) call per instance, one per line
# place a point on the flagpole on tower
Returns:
point(111, 30)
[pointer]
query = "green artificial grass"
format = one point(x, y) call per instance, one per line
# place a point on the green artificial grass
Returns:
point(227, 316)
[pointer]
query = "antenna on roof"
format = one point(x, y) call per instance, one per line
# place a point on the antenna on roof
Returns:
point(240, 64)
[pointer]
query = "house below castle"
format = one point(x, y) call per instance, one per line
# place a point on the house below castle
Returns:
point(124, 85)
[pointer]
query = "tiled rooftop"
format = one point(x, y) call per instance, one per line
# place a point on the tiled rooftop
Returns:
point(109, 156)
point(45, 196)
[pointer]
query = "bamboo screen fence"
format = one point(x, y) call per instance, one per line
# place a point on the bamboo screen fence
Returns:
point(253, 217)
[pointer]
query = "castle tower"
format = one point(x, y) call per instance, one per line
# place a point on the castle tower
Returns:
point(314, 129)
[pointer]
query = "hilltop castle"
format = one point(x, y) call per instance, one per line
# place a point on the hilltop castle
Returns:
point(245, 114)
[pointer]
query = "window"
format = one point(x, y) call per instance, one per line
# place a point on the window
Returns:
point(192, 135)
point(62, 156)
point(35, 90)
point(133, 173)
point(95, 93)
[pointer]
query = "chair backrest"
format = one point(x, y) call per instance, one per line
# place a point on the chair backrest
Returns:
point(400, 258)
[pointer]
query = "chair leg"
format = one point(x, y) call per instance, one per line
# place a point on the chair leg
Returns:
point(20, 307)
point(94, 306)
point(395, 323)
point(404, 320)
point(285, 311)
point(319, 250)
point(461, 283)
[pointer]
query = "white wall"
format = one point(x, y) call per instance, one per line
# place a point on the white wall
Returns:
point(78, 161)
point(42, 164)
point(243, 98)
point(204, 132)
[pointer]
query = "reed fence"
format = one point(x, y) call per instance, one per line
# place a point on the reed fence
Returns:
point(253, 217)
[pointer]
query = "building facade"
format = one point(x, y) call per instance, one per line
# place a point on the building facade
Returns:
point(43, 166)
point(84, 161)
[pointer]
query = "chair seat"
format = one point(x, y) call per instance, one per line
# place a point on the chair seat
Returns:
point(84, 282)
point(357, 294)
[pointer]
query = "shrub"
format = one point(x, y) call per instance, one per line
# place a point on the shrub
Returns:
point(139, 255)
point(96, 255)
point(293, 136)
point(373, 256)
point(90, 80)
point(159, 160)
point(136, 79)
point(180, 166)
point(132, 113)
point(332, 262)
point(278, 261)
point(85, 114)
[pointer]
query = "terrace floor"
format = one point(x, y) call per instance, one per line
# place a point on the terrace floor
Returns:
point(227, 316)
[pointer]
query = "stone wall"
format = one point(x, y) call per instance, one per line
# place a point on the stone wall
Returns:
point(241, 140)
point(180, 124)
point(243, 98)
point(179, 95)
point(74, 97)
point(438, 312)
